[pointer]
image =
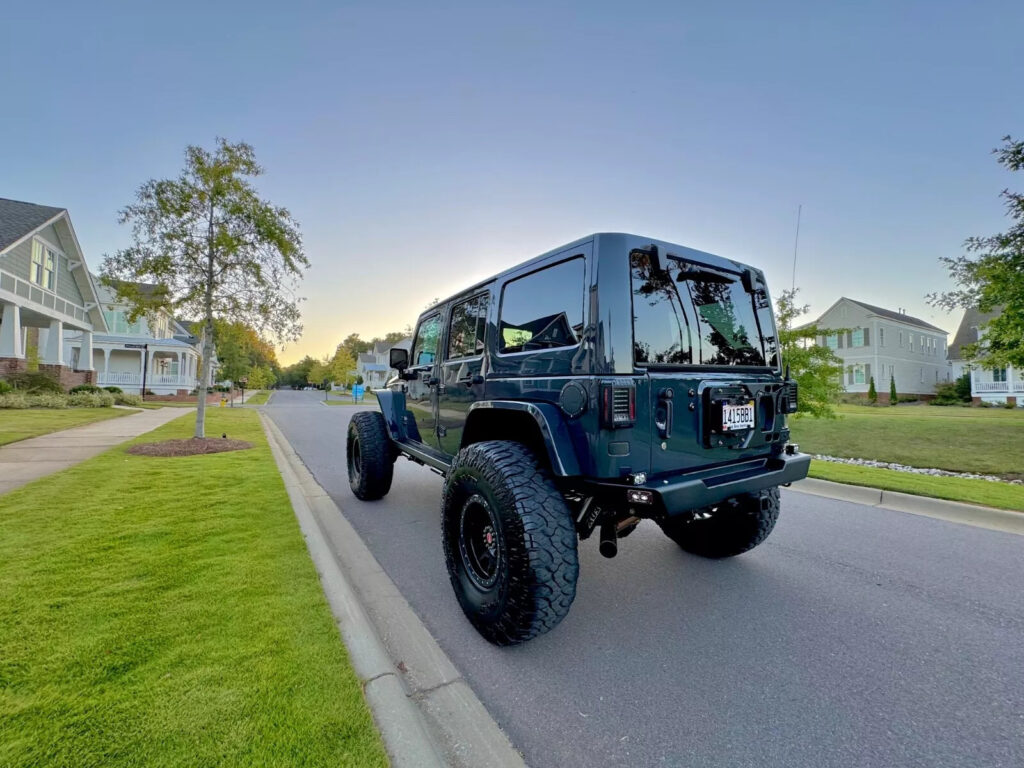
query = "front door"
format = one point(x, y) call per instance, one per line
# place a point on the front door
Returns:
point(462, 381)
point(422, 385)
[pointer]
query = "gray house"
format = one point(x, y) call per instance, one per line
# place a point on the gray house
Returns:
point(885, 344)
point(45, 290)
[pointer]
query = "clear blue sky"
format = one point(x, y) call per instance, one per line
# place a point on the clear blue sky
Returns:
point(424, 146)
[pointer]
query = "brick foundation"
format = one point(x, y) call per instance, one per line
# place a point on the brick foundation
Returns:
point(67, 377)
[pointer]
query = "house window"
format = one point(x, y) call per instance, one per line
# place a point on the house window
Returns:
point(998, 374)
point(881, 337)
point(858, 337)
point(858, 374)
point(911, 339)
point(832, 341)
point(43, 270)
point(901, 338)
point(922, 375)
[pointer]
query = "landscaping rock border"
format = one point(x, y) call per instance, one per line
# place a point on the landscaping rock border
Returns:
point(914, 470)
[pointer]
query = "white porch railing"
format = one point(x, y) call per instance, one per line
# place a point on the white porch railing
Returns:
point(1014, 383)
point(112, 378)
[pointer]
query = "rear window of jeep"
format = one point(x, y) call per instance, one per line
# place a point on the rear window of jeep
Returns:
point(543, 310)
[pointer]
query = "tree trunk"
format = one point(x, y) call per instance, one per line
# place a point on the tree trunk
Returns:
point(204, 376)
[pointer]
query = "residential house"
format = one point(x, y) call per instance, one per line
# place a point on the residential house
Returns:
point(158, 347)
point(375, 365)
point(885, 344)
point(45, 289)
point(993, 385)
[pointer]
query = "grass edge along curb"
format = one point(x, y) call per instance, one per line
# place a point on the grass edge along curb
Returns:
point(963, 490)
point(172, 616)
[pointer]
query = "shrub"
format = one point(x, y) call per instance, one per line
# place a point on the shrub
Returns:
point(114, 390)
point(91, 400)
point(13, 400)
point(963, 387)
point(84, 388)
point(48, 399)
point(120, 398)
point(5, 387)
point(872, 392)
point(893, 399)
point(35, 381)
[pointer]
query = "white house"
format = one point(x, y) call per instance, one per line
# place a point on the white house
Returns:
point(45, 285)
point(159, 347)
point(994, 385)
point(884, 344)
point(375, 366)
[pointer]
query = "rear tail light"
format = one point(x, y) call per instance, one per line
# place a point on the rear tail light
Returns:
point(618, 405)
point(787, 398)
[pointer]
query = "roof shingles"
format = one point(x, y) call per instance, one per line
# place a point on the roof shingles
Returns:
point(17, 219)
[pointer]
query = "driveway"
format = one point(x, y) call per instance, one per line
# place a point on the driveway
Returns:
point(852, 636)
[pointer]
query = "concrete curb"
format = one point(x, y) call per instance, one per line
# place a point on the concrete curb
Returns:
point(940, 509)
point(426, 712)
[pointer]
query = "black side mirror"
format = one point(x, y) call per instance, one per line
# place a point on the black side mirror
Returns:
point(399, 359)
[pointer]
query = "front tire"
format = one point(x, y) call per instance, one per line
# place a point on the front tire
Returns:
point(509, 542)
point(369, 455)
point(731, 528)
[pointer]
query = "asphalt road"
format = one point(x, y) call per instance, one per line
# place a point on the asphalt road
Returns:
point(852, 637)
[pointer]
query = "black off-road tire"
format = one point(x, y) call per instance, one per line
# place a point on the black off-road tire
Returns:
point(732, 528)
point(534, 566)
point(370, 456)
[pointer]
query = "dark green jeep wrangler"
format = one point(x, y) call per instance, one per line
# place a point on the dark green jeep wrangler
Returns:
point(614, 379)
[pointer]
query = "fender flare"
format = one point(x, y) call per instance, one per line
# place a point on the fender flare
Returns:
point(553, 430)
point(392, 406)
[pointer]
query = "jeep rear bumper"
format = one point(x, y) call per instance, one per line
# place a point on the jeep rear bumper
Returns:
point(677, 494)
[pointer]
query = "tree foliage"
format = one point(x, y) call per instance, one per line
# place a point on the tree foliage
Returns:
point(893, 397)
point(817, 369)
point(990, 277)
point(242, 353)
point(214, 249)
point(872, 392)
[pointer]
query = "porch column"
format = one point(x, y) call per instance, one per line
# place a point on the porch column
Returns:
point(85, 354)
point(54, 346)
point(106, 360)
point(10, 332)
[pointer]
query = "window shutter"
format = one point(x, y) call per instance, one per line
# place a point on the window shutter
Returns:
point(867, 372)
point(839, 338)
point(849, 376)
point(849, 338)
point(867, 337)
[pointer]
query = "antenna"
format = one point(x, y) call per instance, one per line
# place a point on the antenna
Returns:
point(796, 244)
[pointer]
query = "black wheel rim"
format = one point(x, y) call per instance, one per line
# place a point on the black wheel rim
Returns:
point(353, 458)
point(479, 544)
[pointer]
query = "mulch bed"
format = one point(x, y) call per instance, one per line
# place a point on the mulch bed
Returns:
point(194, 446)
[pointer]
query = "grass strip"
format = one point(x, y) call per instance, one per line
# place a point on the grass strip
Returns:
point(983, 440)
point(983, 492)
point(32, 422)
point(260, 398)
point(165, 612)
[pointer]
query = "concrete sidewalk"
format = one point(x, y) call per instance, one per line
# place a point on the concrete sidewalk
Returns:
point(27, 460)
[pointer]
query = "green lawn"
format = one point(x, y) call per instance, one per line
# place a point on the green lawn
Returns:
point(260, 398)
point(32, 422)
point(165, 612)
point(985, 440)
point(983, 492)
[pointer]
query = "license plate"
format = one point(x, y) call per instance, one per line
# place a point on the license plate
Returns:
point(737, 416)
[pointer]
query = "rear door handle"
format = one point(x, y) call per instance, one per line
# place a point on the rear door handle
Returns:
point(664, 416)
point(470, 381)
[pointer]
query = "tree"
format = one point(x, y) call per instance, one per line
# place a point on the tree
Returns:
point(355, 345)
point(893, 397)
point(872, 392)
point(214, 249)
point(297, 374)
point(343, 367)
point(991, 277)
point(817, 369)
point(240, 351)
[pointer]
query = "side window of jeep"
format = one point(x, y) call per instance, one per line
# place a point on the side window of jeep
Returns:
point(543, 310)
point(425, 346)
point(467, 327)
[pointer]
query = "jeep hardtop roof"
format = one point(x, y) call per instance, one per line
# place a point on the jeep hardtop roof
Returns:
point(619, 241)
